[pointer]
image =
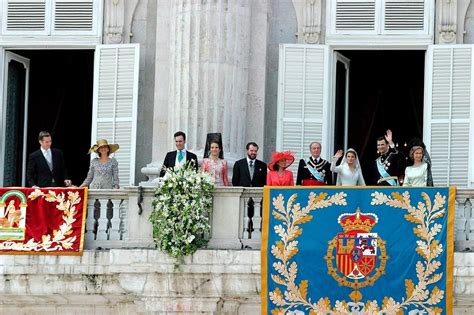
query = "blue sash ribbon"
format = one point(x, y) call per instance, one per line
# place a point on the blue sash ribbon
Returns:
point(314, 171)
point(384, 173)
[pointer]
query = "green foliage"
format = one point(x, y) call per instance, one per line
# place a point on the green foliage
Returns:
point(182, 206)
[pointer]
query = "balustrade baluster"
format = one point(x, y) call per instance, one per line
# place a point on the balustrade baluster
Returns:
point(257, 219)
point(97, 206)
point(122, 216)
point(110, 215)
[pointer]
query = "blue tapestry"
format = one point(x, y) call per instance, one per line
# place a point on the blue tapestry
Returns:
point(372, 250)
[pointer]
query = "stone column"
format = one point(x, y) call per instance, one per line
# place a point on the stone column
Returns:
point(209, 48)
point(207, 79)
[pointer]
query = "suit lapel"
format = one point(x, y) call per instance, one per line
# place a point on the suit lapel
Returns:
point(173, 158)
point(43, 160)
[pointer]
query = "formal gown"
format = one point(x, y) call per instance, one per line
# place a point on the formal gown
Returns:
point(274, 179)
point(347, 177)
point(217, 169)
point(102, 175)
point(416, 176)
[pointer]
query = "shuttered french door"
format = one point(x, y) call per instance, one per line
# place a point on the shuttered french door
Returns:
point(448, 127)
point(115, 103)
point(302, 98)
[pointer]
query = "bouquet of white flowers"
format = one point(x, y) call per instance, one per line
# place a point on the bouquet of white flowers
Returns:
point(181, 209)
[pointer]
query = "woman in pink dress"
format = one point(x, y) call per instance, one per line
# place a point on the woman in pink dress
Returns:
point(278, 175)
point(215, 166)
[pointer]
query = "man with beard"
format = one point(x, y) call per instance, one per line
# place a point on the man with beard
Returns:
point(250, 172)
point(386, 165)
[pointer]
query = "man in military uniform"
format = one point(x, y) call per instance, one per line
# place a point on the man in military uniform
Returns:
point(314, 171)
point(386, 165)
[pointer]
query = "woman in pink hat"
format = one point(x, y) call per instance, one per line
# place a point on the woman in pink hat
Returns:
point(278, 175)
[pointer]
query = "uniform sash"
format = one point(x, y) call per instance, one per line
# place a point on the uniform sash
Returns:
point(314, 171)
point(383, 172)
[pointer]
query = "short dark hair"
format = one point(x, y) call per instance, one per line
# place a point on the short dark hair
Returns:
point(382, 138)
point(43, 134)
point(251, 143)
point(180, 133)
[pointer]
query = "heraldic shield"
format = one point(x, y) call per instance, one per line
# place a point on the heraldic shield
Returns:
point(356, 253)
point(356, 249)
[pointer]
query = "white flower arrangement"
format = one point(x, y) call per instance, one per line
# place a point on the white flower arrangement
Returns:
point(181, 209)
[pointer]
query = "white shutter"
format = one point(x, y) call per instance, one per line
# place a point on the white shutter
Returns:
point(354, 15)
point(302, 98)
point(380, 17)
point(25, 17)
point(405, 16)
point(115, 103)
point(72, 16)
point(51, 17)
point(448, 113)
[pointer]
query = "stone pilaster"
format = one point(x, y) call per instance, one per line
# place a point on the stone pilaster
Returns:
point(450, 16)
point(308, 13)
point(114, 21)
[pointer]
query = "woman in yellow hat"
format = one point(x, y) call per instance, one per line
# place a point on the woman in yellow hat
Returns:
point(103, 170)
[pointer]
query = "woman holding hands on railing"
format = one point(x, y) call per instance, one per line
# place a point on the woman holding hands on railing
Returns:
point(103, 170)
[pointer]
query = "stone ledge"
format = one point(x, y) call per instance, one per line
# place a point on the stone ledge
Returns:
point(145, 281)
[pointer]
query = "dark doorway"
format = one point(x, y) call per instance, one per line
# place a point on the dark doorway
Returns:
point(60, 101)
point(385, 92)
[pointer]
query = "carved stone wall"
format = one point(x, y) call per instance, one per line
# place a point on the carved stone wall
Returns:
point(450, 18)
point(308, 13)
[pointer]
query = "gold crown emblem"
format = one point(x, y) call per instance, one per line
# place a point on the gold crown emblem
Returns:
point(357, 221)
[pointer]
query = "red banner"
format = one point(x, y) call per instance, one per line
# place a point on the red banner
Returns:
point(42, 221)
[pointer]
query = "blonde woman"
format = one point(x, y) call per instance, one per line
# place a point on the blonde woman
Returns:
point(417, 174)
point(103, 170)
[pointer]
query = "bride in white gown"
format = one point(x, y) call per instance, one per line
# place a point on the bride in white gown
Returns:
point(349, 172)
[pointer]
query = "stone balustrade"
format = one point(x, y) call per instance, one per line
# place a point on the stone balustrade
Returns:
point(126, 277)
point(119, 219)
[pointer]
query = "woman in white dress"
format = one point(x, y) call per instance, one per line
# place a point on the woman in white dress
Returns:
point(417, 174)
point(349, 172)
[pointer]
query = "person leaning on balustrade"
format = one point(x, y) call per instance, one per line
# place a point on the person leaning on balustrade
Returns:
point(103, 170)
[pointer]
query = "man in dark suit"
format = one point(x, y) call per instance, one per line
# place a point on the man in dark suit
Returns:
point(46, 167)
point(250, 172)
point(386, 165)
point(314, 171)
point(180, 156)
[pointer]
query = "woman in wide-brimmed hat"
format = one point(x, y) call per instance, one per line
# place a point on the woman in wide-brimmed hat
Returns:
point(279, 175)
point(103, 170)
